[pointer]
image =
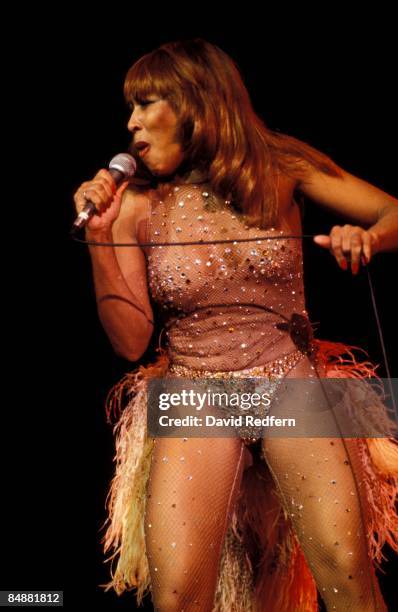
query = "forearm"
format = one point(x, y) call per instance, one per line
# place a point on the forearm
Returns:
point(386, 229)
point(124, 316)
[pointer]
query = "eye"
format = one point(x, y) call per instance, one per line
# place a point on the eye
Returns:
point(144, 102)
point(140, 102)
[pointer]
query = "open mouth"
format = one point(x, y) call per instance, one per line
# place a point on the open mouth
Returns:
point(143, 151)
point(142, 148)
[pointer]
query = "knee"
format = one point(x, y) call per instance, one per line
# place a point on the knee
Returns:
point(337, 560)
point(342, 567)
point(182, 591)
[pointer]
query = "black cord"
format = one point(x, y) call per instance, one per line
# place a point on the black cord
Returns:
point(191, 243)
point(235, 241)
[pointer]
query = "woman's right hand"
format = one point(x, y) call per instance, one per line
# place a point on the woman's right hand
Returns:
point(102, 192)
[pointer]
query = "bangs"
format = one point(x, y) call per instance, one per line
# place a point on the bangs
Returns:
point(152, 74)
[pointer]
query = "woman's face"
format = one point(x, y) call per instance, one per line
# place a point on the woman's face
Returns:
point(154, 126)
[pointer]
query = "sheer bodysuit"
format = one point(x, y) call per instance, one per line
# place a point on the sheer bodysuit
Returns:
point(229, 307)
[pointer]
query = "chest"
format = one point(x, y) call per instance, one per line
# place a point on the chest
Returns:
point(204, 248)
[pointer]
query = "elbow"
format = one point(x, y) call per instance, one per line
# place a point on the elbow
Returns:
point(133, 351)
point(128, 356)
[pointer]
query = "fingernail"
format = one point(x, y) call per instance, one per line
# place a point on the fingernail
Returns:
point(355, 268)
point(364, 260)
point(343, 264)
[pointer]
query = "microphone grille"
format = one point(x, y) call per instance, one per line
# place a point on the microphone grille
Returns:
point(124, 162)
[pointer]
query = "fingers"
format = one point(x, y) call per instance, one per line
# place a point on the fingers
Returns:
point(373, 244)
point(121, 189)
point(100, 191)
point(79, 198)
point(352, 245)
point(322, 240)
point(336, 246)
point(349, 244)
point(106, 178)
point(367, 247)
point(99, 194)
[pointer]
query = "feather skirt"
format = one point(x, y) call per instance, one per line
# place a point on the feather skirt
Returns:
point(260, 529)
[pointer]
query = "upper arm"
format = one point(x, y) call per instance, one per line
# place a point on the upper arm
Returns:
point(131, 259)
point(346, 194)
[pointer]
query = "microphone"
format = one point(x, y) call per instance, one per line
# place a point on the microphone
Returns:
point(121, 167)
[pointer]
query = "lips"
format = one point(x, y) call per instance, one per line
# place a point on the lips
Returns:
point(142, 147)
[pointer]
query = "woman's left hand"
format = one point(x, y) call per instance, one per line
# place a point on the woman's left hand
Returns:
point(350, 243)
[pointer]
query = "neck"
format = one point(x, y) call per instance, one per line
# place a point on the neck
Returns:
point(183, 175)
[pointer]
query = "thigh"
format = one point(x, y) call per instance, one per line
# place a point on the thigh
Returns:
point(319, 482)
point(320, 488)
point(192, 488)
point(318, 485)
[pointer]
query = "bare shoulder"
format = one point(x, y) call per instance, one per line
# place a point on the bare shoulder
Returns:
point(134, 208)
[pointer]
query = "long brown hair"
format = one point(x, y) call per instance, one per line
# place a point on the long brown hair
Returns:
point(219, 130)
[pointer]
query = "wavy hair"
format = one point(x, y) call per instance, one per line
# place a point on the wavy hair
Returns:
point(218, 128)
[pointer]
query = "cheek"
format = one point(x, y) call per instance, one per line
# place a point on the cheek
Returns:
point(165, 122)
point(167, 141)
point(171, 154)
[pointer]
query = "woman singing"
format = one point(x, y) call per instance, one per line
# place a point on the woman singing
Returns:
point(234, 523)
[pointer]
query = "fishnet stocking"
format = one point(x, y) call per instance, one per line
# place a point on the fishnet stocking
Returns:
point(193, 486)
point(320, 490)
point(192, 489)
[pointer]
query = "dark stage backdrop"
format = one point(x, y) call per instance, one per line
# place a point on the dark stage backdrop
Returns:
point(332, 90)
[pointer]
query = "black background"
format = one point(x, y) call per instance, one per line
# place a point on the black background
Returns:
point(333, 88)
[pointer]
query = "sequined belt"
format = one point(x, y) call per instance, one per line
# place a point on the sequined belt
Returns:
point(278, 368)
point(274, 370)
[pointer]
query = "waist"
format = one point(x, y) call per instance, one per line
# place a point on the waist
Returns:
point(277, 368)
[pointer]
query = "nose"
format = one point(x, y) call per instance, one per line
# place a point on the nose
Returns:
point(134, 121)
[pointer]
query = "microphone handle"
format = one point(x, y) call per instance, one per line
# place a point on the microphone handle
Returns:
point(90, 210)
